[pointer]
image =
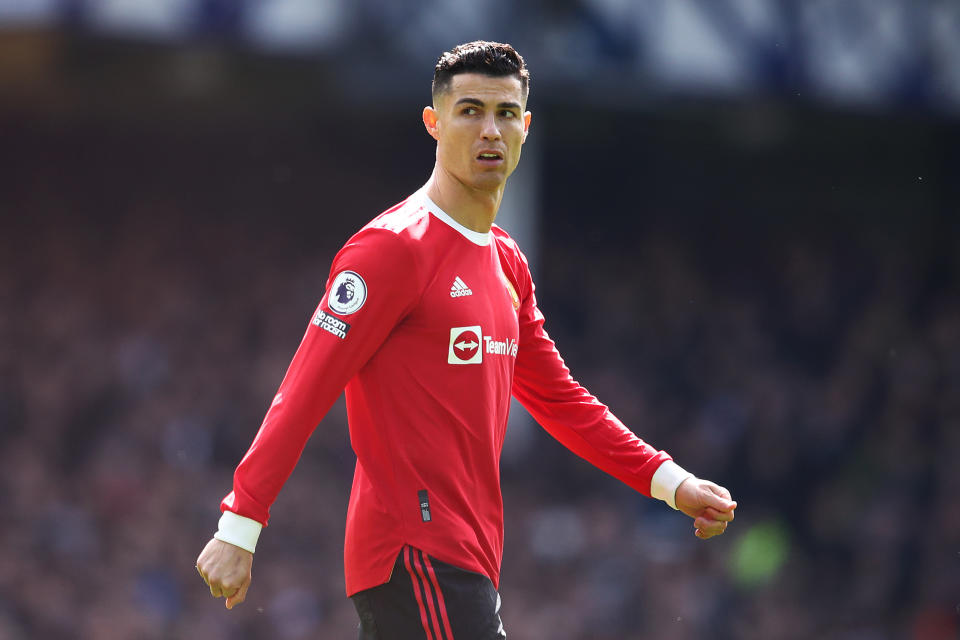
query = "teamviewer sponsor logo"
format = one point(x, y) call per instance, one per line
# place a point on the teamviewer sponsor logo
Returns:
point(465, 346)
point(500, 347)
point(468, 344)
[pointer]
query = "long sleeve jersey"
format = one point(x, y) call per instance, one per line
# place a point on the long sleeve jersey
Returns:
point(430, 327)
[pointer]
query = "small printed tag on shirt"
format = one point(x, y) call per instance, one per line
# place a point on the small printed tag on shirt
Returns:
point(331, 323)
point(424, 505)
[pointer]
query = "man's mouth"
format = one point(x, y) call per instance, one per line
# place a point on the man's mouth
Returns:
point(490, 156)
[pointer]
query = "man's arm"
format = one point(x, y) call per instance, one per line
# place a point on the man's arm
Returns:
point(364, 301)
point(543, 384)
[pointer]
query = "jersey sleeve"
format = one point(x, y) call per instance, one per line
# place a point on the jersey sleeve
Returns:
point(570, 413)
point(371, 287)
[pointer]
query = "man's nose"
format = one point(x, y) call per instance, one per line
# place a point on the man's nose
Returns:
point(490, 129)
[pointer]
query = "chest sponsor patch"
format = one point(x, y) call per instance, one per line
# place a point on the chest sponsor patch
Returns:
point(468, 344)
point(331, 323)
point(465, 345)
point(347, 293)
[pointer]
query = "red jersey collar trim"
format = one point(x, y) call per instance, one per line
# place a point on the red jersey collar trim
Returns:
point(476, 237)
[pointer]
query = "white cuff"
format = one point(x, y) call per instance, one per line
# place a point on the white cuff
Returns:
point(238, 530)
point(666, 480)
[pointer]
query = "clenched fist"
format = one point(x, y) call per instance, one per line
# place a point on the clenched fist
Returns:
point(227, 570)
point(709, 504)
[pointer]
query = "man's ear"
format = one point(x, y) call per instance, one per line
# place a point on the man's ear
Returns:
point(431, 122)
point(526, 124)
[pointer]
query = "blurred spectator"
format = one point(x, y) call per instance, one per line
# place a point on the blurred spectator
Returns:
point(145, 325)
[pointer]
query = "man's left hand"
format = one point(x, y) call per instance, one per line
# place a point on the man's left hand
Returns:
point(709, 504)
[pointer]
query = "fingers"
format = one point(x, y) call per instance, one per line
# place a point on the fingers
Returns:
point(709, 504)
point(710, 526)
point(718, 498)
point(226, 569)
point(223, 588)
point(723, 492)
point(712, 522)
point(239, 596)
point(235, 594)
point(709, 531)
point(214, 587)
point(712, 514)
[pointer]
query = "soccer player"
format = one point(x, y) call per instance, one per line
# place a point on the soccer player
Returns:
point(430, 323)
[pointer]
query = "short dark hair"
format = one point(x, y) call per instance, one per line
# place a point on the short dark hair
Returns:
point(494, 59)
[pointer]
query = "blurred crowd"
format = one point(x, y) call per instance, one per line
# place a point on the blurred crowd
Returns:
point(819, 382)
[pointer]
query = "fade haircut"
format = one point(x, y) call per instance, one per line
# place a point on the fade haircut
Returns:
point(493, 59)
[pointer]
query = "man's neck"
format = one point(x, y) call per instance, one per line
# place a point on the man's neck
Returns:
point(474, 209)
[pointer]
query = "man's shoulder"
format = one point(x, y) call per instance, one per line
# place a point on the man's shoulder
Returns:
point(508, 245)
point(406, 217)
point(503, 237)
point(390, 239)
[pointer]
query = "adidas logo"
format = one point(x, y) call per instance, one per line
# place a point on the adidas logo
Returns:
point(460, 289)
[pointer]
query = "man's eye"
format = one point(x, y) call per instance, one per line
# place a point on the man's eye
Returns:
point(508, 114)
point(470, 111)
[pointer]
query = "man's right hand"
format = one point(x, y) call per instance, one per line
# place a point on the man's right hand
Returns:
point(227, 570)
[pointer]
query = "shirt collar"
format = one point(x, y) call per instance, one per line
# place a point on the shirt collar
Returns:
point(476, 237)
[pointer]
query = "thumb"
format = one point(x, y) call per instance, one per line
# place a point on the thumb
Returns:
point(239, 596)
point(718, 501)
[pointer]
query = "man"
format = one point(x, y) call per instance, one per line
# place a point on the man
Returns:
point(430, 323)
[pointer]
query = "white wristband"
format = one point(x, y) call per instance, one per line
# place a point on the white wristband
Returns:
point(666, 480)
point(238, 530)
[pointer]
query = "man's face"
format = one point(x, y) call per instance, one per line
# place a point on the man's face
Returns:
point(479, 124)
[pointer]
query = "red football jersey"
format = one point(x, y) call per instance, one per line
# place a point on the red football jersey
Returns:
point(430, 327)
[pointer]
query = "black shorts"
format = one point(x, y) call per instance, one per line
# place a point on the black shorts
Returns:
point(426, 599)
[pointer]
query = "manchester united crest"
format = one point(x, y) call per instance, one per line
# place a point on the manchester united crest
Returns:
point(512, 291)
